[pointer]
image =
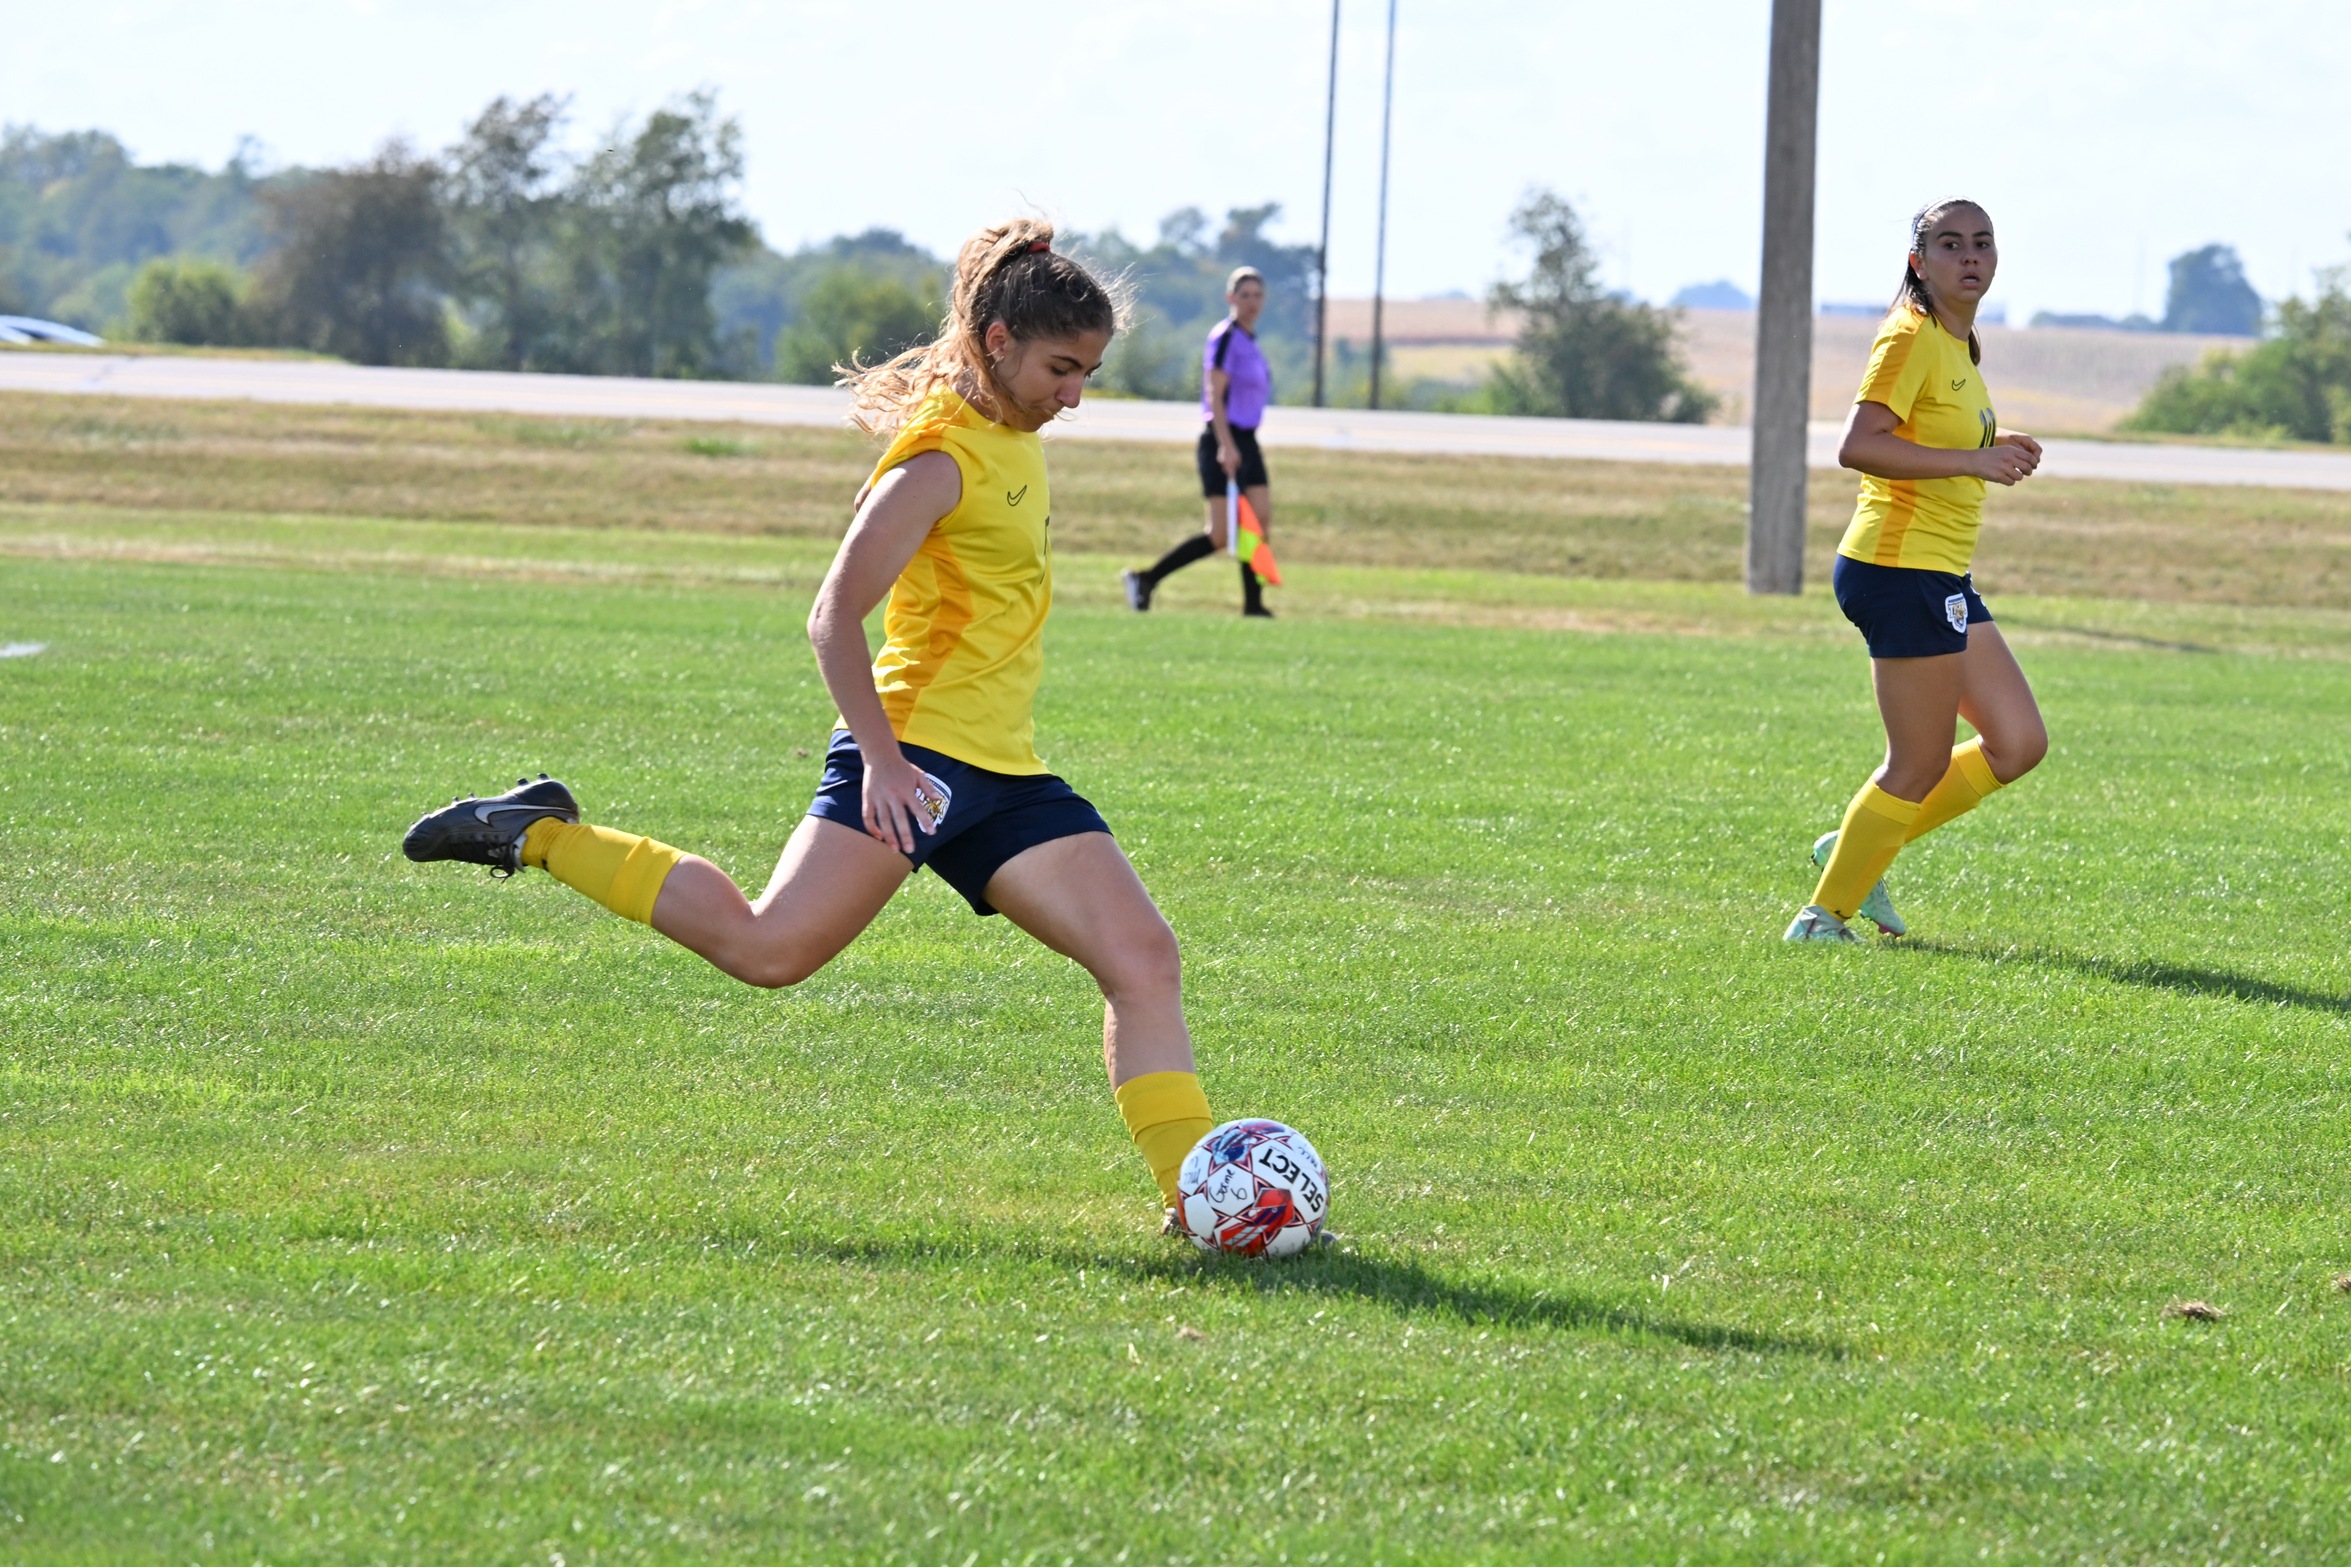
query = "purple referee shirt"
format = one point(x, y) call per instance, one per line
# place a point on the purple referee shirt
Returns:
point(1232, 348)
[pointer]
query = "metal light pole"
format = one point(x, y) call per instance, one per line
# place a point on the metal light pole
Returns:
point(1783, 314)
point(1379, 269)
point(1322, 251)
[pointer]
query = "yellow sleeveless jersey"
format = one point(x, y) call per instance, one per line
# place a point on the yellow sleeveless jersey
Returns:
point(962, 648)
point(1923, 373)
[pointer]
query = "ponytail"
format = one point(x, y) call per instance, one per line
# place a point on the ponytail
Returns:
point(1008, 273)
point(1913, 294)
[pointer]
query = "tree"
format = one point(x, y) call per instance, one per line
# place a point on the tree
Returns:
point(759, 295)
point(360, 264)
point(1584, 353)
point(188, 300)
point(851, 315)
point(652, 218)
point(2209, 294)
point(1179, 294)
point(503, 208)
point(2296, 384)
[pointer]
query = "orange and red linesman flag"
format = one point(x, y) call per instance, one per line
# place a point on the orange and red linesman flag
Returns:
point(1247, 535)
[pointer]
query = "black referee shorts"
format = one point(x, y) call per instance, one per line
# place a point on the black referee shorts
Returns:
point(1212, 471)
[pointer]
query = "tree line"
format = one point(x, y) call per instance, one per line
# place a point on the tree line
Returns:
point(506, 251)
point(2295, 384)
point(500, 252)
point(503, 251)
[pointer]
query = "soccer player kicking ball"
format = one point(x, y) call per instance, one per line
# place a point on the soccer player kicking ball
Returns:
point(933, 759)
point(1924, 439)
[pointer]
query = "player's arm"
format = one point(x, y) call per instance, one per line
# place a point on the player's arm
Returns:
point(1220, 386)
point(1871, 446)
point(893, 518)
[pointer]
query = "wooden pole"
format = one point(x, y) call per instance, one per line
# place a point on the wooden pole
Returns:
point(1783, 313)
point(1322, 251)
point(1379, 269)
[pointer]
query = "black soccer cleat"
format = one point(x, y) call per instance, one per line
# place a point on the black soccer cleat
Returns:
point(489, 832)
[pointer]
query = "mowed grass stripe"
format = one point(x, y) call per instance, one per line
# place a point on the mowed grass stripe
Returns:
point(1612, 521)
point(356, 1210)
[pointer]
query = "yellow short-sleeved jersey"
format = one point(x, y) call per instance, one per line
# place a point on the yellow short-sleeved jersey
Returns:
point(1924, 375)
point(962, 648)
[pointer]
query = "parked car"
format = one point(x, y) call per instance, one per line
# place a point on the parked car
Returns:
point(15, 331)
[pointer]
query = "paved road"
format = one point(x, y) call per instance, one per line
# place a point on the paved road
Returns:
point(602, 397)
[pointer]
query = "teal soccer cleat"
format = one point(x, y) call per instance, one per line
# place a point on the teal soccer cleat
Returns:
point(1814, 923)
point(1878, 907)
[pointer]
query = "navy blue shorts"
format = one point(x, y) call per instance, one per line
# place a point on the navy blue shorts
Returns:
point(1905, 612)
point(990, 816)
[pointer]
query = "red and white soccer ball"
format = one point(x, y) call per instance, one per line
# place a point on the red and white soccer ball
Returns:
point(1254, 1189)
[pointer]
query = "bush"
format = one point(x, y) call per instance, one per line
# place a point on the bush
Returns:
point(187, 300)
point(852, 316)
point(1585, 353)
point(2296, 385)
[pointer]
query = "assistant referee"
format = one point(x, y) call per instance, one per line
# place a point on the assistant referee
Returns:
point(1235, 385)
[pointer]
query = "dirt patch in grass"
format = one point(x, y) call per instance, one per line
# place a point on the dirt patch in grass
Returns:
point(2195, 1311)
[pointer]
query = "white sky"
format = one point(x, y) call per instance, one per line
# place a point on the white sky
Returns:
point(2104, 137)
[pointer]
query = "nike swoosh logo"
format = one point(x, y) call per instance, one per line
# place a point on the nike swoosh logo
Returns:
point(1956, 385)
point(1015, 497)
point(483, 813)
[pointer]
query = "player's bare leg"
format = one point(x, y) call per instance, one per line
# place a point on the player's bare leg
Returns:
point(1081, 897)
point(829, 884)
point(1997, 700)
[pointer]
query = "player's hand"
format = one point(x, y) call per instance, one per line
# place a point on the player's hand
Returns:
point(1228, 457)
point(2018, 438)
point(2005, 464)
point(895, 791)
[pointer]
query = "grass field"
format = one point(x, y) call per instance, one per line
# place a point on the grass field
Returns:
point(357, 1212)
point(1606, 521)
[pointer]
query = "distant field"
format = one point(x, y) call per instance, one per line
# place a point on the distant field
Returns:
point(2054, 380)
point(1540, 518)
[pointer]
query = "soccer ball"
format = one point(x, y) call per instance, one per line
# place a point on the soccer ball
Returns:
point(1253, 1188)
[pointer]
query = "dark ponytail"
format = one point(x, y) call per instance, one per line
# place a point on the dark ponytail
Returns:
point(1913, 293)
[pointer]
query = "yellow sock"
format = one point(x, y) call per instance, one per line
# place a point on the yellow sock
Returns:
point(1962, 789)
point(618, 869)
point(1876, 824)
point(1166, 1113)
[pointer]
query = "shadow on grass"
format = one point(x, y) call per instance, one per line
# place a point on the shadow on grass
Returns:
point(2113, 638)
point(2151, 973)
point(1402, 1285)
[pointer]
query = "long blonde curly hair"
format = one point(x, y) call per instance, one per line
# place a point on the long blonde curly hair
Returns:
point(1010, 273)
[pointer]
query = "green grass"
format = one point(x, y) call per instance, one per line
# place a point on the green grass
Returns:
point(357, 1212)
point(1603, 522)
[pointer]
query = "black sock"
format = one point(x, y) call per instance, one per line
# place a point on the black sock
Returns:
point(1252, 590)
point(1197, 547)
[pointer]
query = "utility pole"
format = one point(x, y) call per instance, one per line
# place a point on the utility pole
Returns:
point(1379, 268)
point(1783, 313)
point(1322, 251)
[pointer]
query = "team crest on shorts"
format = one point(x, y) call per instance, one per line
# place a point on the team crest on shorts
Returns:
point(1955, 611)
